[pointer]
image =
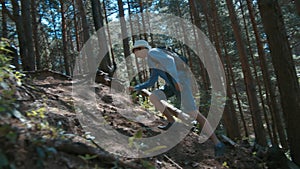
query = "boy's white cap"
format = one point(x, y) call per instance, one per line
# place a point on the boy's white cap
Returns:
point(141, 43)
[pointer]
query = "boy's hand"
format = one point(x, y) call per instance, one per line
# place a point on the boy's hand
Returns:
point(131, 89)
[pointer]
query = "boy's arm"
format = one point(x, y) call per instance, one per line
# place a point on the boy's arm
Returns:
point(150, 82)
point(165, 63)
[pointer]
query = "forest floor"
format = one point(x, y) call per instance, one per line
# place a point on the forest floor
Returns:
point(47, 134)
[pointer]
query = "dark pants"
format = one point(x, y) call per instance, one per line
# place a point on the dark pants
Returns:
point(170, 91)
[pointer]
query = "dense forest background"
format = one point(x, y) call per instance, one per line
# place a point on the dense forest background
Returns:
point(258, 42)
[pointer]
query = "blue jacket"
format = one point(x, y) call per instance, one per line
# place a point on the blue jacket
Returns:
point(163, 65)
point(160, 64)
point(154, 74)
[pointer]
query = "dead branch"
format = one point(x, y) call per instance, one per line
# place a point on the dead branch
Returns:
point(43, 74)
point(173, 162)
point(229, 140)
point(83, 149)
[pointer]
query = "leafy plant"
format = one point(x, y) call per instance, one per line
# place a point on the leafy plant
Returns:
point(88, 157)
point(43, 152)
point(9, 80)
point(148, 165)
point(225, 165)
point(4, 162)
point(137, 136)
point(39, 113)
point(9, 136)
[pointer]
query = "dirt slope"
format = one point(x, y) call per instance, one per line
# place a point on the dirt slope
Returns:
point(51, 136)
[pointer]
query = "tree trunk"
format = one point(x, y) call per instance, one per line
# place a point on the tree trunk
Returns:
point(204, 6)
point(192, 13)
point(249, 83)
point(4, 20)
point(71, 57)
point(273, 136)
point(270, 94)
point(35, 34)
point(97, 14)
point(130, 20)
point(46, 63)
point(138, 66)
point(78, 68)
point(231, 76)
point(85, 25)
point(230, 119)
point(64, 39)
point(197, 21)
point(125, 38)
point(98, 22)
point(297, 3)
point(285, 71)
point(109, 36)
point(143, 19)
point(27, 24)
point(185, 51)
point(92, 61)
point(21, 36)
point(76, 28)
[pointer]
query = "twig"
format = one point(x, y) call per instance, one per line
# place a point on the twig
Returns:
point(234, 144)
point(28, 92)
point(173, 162)
point(229, 141)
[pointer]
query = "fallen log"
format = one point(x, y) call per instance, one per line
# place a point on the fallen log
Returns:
point(78, 148)
point(43, 74)
point(170, 108)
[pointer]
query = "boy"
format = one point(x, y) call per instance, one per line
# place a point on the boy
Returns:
point(163, 65)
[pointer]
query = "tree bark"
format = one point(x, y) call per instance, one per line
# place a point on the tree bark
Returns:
point(92, 61)
point(27, 24)
point(21, 36)
point(197, 21)
point(78, 69)
point(206, 11)
point(108, 32)
point(71, 57)
point(85, 25)
point(285, 71)
point(125, 38)
point(270, 94)
point(198, 24)
point(76, 27)
point(143, 19)
point(249, 82)
point(231, 76)
point(273, 137)
point(35, 34)
point(297, 3)
point(133, 37)
point(230, 119)
point(4, 21)
point(98, 22)
point(64, 39)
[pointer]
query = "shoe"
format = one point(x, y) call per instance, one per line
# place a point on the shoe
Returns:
point(219, 149)
point(166, 127)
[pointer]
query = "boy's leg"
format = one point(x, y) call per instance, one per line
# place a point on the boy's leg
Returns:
point(207, 128)
point(219, 146)
point(155, 98)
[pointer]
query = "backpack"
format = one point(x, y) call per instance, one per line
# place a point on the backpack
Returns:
point(180, 61)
